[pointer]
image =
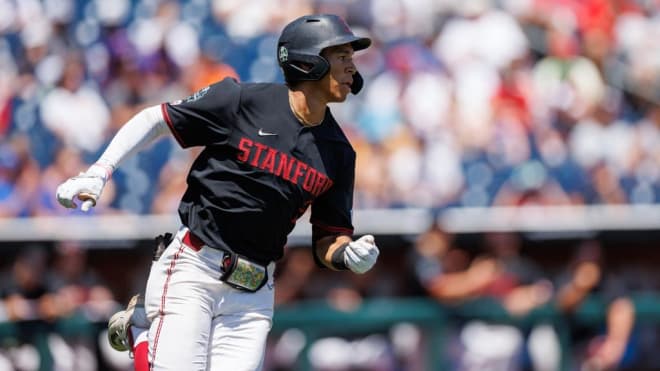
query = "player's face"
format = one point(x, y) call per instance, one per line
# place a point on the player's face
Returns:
point(338, 81)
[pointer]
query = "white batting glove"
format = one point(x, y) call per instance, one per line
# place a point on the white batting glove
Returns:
point(361, 255)
point(87, 187)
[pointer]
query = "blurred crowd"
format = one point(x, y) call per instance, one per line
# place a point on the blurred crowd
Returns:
point(467, 103)
point(499, 301)
point(54, 302)
point(511, 304)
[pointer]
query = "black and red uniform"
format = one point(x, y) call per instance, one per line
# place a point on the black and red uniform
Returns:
point(260, 168)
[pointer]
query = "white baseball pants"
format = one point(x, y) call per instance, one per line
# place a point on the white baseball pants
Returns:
point(199, 322)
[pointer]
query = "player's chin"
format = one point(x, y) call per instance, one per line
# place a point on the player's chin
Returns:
point(340, 95)
point(341, 98)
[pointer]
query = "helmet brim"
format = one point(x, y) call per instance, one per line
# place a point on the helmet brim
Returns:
point(361, 43)
point(358, 43)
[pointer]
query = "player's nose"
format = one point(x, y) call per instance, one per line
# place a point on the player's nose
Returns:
point(351, 68)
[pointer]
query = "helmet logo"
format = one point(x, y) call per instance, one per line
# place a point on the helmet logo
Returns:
point(283, 54)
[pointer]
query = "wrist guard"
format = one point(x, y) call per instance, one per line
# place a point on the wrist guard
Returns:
point(337, 260)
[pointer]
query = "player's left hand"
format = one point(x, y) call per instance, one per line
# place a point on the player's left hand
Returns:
point(361, 255)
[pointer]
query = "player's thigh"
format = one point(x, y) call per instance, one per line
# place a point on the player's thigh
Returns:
point(239, 333)
point(179, 342)
point(181, 279)
point(239, 342)
point(179, 301)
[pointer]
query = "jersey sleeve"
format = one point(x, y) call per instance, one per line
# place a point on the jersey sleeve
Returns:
point(332, 211)
point(206, 117)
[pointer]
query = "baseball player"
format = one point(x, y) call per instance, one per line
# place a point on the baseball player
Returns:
point(270, 152)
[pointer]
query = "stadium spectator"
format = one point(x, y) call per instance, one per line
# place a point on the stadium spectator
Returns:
point(27, 302)
point(606, 344)
point(12, 200)
point(499, 278)
point(79, 288)
point(85, 129)
point(83, 301)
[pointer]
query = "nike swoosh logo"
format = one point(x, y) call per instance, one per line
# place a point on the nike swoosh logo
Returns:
point(265, 133)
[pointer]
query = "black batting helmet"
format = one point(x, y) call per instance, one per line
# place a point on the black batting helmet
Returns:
point(302, 41)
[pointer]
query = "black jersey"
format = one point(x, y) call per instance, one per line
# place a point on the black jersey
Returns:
point(260, 169)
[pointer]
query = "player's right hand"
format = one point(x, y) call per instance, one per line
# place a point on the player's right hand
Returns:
point(86, 187)
point(361, 255)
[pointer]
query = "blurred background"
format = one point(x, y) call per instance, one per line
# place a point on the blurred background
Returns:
point(508, 164)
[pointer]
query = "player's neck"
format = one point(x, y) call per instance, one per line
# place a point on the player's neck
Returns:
point(308, 108)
